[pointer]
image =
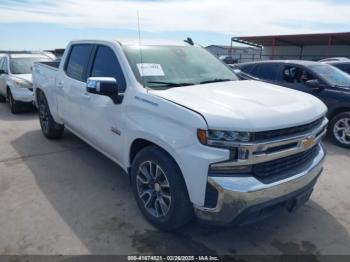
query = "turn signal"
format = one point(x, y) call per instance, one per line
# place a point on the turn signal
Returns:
point(202, 136)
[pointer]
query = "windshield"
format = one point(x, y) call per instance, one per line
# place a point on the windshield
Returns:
point(172, 66)
point(332, 75)
point(23, 65)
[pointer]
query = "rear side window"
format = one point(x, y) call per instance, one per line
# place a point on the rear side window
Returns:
point(3, 64)
point(266, 71)
point(78, 61)
point(106, 65)
point(343, 67)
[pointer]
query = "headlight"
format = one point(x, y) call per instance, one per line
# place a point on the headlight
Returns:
point(231, 140)
point(22, 84)
point(222, 138)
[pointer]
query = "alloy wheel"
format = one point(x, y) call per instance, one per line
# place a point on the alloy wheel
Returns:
point(341, 130)
point(153, 189)
point(44, 116)
point(10, 99)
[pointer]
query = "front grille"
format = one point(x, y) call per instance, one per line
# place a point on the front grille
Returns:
point(290, 164)
point(264, 135)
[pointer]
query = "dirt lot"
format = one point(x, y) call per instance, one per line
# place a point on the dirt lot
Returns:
point(63, 197)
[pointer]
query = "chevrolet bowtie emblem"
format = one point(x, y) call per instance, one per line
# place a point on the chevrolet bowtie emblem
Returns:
point(308, 142)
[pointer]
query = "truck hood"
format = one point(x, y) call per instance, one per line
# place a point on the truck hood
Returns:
point(246, 105)
point(27, 77)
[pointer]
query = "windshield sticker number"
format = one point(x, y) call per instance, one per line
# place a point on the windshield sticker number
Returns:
point(147, 69)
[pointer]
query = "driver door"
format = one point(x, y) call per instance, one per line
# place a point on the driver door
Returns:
point(103, 119)
point(295, 77)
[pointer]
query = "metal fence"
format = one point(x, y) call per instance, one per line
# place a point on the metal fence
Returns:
point(242, 58)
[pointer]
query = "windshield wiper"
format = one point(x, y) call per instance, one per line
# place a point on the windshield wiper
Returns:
point(216, 80)
point(164, 83)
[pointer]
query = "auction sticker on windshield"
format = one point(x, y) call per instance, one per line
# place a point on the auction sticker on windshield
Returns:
point(148, 69)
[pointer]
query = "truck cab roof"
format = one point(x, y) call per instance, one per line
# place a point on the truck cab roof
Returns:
point(128, 42)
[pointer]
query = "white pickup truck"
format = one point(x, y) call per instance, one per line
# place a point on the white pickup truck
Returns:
point(193, 139)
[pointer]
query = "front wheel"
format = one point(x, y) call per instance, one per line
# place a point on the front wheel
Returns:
point(49, 127)
point(160, 190)
point(339, 129)
point(14, 105)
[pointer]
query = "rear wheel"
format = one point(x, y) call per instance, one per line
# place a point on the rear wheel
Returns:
point(49, 127)
point(160, 190)
point(339, 129)
point(14, 105)
point(2, 99)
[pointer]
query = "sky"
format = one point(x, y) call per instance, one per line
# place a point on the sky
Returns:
point(48, 24)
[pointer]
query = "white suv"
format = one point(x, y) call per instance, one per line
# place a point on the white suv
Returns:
point(16, 78)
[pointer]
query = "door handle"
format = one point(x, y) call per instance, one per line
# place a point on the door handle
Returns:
point(60, 84)
point(86, 96)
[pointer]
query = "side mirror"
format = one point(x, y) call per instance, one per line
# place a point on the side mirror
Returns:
point(105, 86)
point(314, 84)
point(237, 71)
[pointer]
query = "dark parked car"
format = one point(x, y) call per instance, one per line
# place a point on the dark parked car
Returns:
point(324, 81)
point(335, 59)
point(342, 65)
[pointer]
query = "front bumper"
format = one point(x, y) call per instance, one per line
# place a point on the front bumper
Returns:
point(239, 195)
point(22, 95)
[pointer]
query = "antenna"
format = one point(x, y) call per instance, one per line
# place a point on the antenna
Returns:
point(140, 48)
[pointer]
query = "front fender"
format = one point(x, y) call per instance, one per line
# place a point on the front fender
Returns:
point(174, 129)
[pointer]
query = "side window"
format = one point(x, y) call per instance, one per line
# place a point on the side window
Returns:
point(4, 65)
point(295, 75)
point(343, 67)
point(77, 62)
point(106, 65)
point(266, 71)
point(247, 68)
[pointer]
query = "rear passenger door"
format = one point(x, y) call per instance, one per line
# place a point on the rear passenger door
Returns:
point(267, 72)
point(72, 84)
point(103, 119)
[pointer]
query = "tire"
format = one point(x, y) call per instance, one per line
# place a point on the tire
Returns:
point(14, 105)
point(49, 127)
point(162, 212)
point(339, 129)
point(2, 99)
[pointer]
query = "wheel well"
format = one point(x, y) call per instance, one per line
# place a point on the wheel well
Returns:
point(138, 145)
point(338, 111)
point(37, 92)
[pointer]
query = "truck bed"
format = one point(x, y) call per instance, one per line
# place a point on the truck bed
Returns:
point(44, 77)
point(54, 64)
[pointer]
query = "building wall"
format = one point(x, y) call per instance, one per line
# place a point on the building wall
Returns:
point(241, 54)
point(309, 52)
